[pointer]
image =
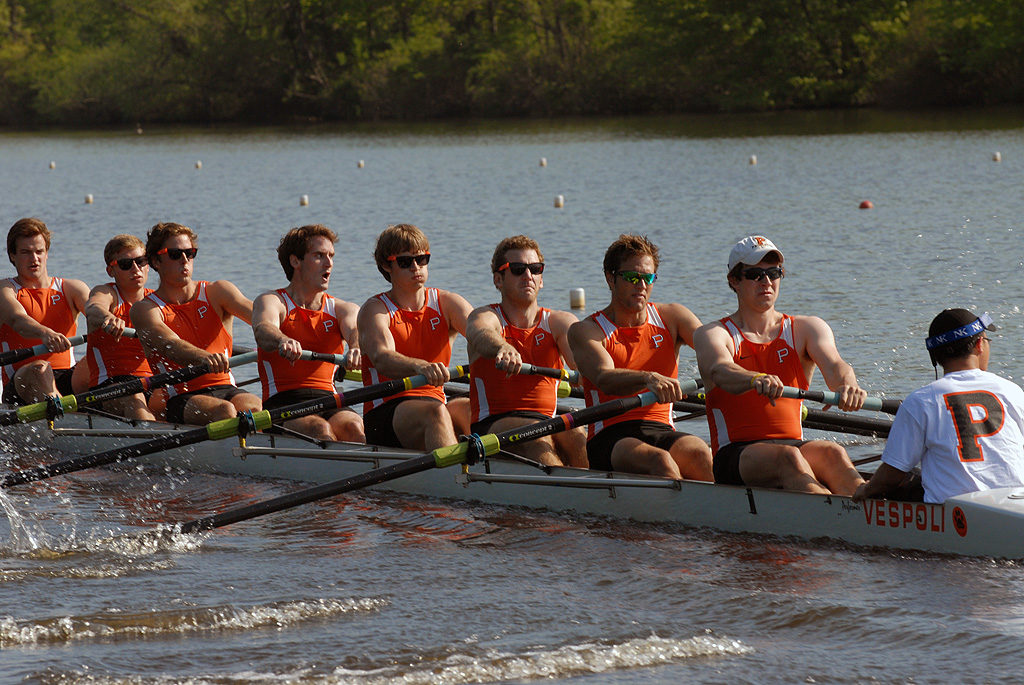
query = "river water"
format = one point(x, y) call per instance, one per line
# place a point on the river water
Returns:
point(377, 587)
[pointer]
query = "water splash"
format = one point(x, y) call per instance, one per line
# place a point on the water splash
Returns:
point(22, 536)
point(119, 625)
point(560, 662)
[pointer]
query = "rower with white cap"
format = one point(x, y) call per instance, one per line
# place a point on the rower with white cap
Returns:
point(746, 359)
point(966, 429)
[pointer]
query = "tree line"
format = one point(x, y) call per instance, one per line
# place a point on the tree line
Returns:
point(88, 62)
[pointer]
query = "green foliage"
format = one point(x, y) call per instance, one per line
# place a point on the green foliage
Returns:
point(86, 62)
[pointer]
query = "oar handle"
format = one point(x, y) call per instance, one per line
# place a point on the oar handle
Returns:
point(13, 356)
point(337, 359)
point(832, 398)
point(568, 375)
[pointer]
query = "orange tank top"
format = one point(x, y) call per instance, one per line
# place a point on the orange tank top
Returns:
point(316, 330)
point(747, 417)
point(492, 392)
point(648, 347)
point(50, 307)
point(108, 358)
point(197, 323)
point(421, 334)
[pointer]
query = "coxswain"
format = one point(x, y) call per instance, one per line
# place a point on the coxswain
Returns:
point(965, 430)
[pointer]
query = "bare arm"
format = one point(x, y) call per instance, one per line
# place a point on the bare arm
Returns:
point(78, 292)
point(14, 315)
point(457, 309)
point(158, 339)
point(378, 344)
point(225, 296)
point(715, 352)
point(560, 323)
point(821, 348)
point(883, 481)
point(99, 312)
point(267, 314)
point(485, 339)
point(348, 315)
point(682, 319)
point(594, 362)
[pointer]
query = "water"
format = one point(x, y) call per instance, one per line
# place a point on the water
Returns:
point(374, 587)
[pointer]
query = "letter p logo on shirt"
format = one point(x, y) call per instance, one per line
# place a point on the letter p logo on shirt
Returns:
point(783, 353)
point(202, 312)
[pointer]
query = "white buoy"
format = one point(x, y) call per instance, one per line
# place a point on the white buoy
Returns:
point(53, 165)
point(753, 160)
point(543, 161)
point(996, 157)
point(577, 298)
point(361, 164)
point(559, 201)
point(88, 199)
point(304, 201)
point(199, 164)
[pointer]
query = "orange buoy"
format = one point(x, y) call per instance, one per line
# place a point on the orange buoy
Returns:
point(867, 204)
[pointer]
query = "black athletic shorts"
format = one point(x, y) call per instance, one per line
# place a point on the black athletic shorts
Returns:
point(483, 426)
point(287, 398)
point(176, 404)
point(655, 433)
point(379, 423)
point(62, 377)
point(727, 459)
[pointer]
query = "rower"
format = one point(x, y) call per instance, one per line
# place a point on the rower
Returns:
point(746, 359)
point(630, 346)
point(37, 309)
point(110, 358)
point(186, 322)
point(406, 331)
point(505, 335)
point(303, 316)
point(965, 430)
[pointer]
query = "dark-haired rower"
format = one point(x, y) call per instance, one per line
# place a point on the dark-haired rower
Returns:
point(966, 429)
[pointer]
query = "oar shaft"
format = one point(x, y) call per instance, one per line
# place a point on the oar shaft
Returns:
point(567, 375)
point(14, 356)
point(218, 430)
point(439, 458)
point(829, 397)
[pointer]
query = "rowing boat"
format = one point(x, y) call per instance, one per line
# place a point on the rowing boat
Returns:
point(987, 523)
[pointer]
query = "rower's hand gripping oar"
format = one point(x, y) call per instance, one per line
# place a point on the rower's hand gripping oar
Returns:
point(832, 398)
point(243, 424)
point(14, 356)
point(464, 452)
point(56, 406)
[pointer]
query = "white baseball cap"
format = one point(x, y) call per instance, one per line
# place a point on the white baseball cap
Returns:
point(752, 250)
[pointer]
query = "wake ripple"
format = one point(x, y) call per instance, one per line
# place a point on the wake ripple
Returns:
point(116, 625)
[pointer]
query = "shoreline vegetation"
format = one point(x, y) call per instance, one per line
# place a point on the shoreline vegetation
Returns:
point(85, 63)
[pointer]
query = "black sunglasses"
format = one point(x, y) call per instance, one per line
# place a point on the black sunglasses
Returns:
point(773, 273)
point(177, 252)
point(519, 268)
point(405, 261)
point(125, 263)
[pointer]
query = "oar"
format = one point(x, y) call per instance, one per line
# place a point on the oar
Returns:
point(243, 424)
point(477, 446)
point(568, 375)
point(13, 356)
point(832, 398)
point(41, 410)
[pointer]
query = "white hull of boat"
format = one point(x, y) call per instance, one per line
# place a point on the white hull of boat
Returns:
point(988, 523)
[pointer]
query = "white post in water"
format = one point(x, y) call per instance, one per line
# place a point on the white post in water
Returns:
point(577, 298)
point(304, 201)
point(559, 201)
point(996, 157)
point(88, 199)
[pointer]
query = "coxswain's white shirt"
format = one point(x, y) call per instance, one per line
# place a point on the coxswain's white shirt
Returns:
point(966, 430)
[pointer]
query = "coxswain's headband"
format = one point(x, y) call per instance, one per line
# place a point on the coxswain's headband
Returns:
point(966, 331)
